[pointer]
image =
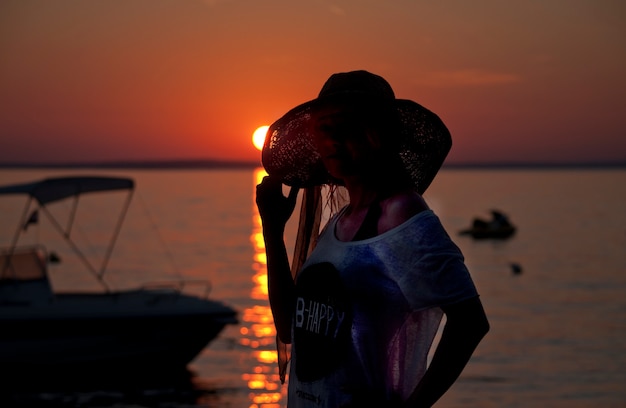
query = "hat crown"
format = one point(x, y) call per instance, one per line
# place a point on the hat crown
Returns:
point(357, 84)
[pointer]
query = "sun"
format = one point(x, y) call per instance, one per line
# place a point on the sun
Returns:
point(258, 137)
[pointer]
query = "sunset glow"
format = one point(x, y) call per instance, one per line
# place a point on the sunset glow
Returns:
point(81, 80)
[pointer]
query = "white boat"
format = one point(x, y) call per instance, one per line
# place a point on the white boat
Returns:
point(149, 328)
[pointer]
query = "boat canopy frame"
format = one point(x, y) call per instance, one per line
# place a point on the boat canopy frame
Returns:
point(55, 189)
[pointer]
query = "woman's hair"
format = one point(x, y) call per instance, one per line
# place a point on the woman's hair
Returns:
point(336, 198)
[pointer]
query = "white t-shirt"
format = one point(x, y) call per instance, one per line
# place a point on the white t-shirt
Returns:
point(367, 312)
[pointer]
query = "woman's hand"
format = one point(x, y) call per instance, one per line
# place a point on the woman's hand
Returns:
point(274, 208)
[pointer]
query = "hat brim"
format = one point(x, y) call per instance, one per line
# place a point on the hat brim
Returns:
point(289, 152)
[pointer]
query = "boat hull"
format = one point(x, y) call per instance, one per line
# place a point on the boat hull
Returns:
point(137, 331)
point(489, 233)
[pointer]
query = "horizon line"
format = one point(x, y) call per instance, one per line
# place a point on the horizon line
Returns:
point(215, 163)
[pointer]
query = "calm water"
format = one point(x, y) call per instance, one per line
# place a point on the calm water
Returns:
point(558, 336)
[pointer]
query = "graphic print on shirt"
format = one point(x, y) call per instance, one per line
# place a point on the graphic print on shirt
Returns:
point(322, 321)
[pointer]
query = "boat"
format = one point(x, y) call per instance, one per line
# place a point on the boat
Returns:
point(498, 227)
point(158, 326)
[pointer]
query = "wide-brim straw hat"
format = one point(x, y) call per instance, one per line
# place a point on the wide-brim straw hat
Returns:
point(289, 151)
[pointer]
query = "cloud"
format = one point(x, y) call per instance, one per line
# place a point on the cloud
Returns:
point(336, 10)
point(466, 77)
point(212, 3)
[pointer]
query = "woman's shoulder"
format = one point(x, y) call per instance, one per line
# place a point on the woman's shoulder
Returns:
point(400, 207)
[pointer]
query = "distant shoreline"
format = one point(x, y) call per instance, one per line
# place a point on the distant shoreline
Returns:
point(547, 166)
point(138, 164)
point(217, 164)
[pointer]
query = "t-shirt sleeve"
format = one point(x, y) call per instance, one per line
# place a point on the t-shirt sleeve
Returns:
point(429, 267)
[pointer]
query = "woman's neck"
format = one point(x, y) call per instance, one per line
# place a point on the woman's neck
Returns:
point(363, 193)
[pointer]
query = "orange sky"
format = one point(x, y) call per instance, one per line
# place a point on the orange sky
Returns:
point(519, 80)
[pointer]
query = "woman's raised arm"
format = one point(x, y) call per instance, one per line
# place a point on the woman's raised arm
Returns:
point(275, 210)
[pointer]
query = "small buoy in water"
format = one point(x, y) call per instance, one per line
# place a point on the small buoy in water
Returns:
point(516, 268)
point(53, 257)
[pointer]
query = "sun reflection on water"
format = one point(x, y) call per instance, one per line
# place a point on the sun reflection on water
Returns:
point(258, 331)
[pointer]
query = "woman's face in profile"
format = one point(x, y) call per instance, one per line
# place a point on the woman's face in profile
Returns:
point(346, 145)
